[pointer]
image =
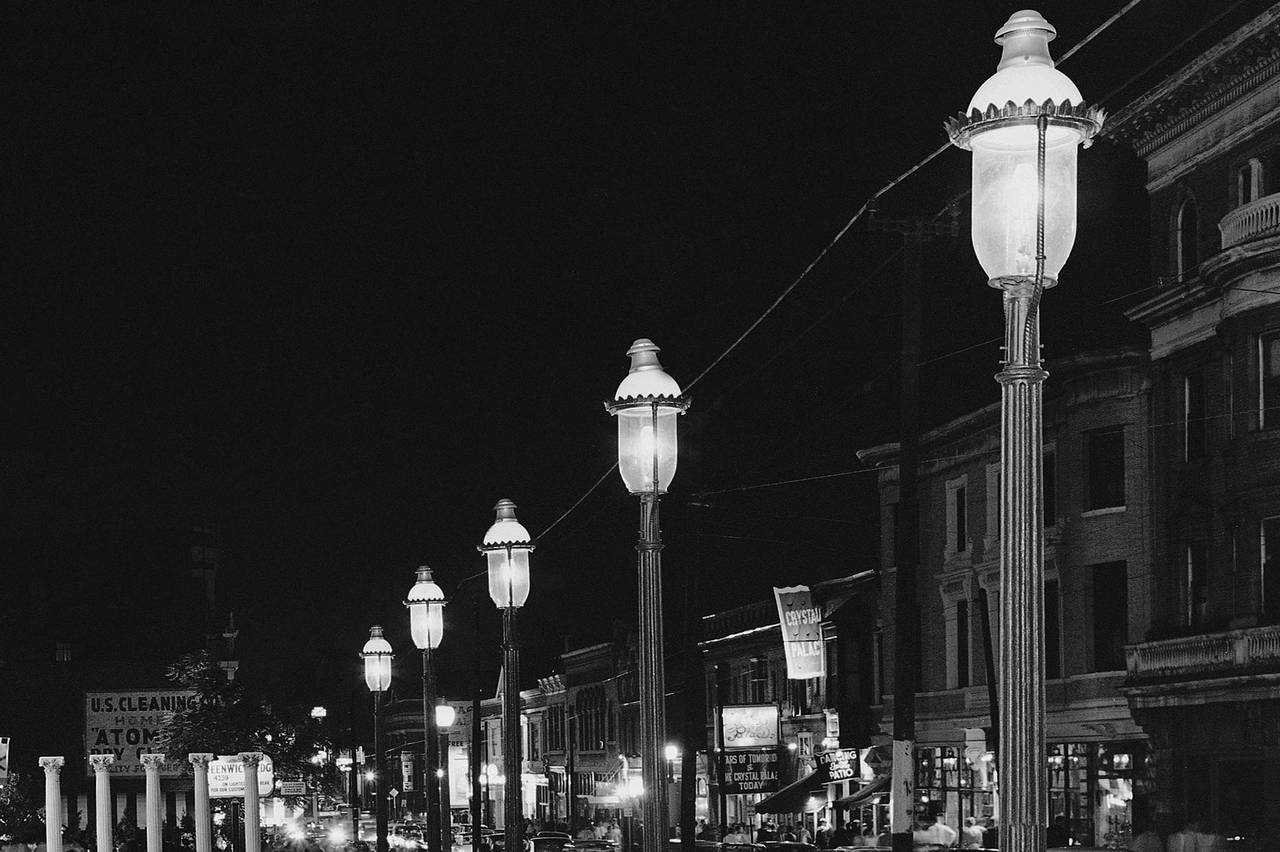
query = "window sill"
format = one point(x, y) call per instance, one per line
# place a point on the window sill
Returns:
point(1109, 510)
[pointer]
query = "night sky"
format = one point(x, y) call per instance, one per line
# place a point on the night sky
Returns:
point(334, 278)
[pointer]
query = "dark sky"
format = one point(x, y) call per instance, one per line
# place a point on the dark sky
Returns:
point(336, 277)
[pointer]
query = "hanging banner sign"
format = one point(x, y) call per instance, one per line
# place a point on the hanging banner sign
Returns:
point(754, 771)
point(127, 724)
point(841, 763)
point(749, 725)
point(226, 777)
point(801, 624)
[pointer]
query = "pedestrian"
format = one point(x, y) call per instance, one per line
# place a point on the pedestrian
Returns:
point(766, 833)
point(971, 834)
point(1184, 840)
point(802, 834)
point(991, 835)
point(613, 834)
point(1057, 834)
point(934, 834)
point(823, 838)
point(844, 835)
point(1146, 840)
point(787, 833)
point(1208, 839)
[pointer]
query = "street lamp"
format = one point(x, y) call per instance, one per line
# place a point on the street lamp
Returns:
point(426, 624)
point(506, 548)
point(646, 405)
point(1023, 125)
point(445, 717)
point(377, 676)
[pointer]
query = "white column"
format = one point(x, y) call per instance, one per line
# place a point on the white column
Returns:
point(52, 767)
point(151, 765)
point(101, 764)
point(252, 816)
point(200, 771)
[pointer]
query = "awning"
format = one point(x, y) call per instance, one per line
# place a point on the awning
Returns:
point(866, 792)
point(794, 798)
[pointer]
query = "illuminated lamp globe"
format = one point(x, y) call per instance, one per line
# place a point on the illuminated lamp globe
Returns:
point(506, 547)
point(445, 715)
point(646, 404)
point(377, 661)
point(426, 611)
point(1000, 128)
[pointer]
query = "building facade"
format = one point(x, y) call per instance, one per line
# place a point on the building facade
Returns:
point(1205, 683)
point(1097, 595)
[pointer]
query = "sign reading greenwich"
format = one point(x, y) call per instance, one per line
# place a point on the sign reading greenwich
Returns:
point(127, 724)
point(226, 777)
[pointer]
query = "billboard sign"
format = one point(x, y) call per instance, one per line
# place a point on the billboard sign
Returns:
point(127, 724)
point(749, 725)
point(226, 777)
point(754, 771)
point(801, 624)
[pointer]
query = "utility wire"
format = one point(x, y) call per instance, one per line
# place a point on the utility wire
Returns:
point(866, 205)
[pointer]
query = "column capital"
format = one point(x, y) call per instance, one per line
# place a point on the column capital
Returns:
point(101, 762)
point(250, 758)
point(201, 759)
point(52, 765)
point(152, 761)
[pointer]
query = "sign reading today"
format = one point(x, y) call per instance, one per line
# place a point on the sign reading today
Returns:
point(226, 777)
point(127, 724)
point(749, 725)
point(754, 771)
point(801, 624)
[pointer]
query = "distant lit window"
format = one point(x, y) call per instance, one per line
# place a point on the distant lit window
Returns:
point(1186, 234)
point(1269, 380)
point(1193, 416)
point(62, 652)
point(1104, 469)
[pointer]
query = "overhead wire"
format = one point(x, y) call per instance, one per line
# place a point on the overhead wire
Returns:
point(826, 249)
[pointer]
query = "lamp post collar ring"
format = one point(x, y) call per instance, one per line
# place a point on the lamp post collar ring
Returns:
point(680, 403)
point(1084, 119)
point(1014, 284)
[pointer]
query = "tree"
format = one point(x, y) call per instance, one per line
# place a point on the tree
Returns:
point(19, 816)
point(229, 717)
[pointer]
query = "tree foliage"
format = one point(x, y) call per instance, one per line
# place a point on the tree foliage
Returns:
point(230, 717)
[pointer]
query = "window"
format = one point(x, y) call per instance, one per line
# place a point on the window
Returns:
point(1195, 586)
point(962, 647)
point(1249, 182)
point(1052, 631)
point(993, 507)
point(1188, 252)
point(1268, 379)
point(1104, 460)
point(759, 678)
point(957, 516)
point(1269, 580)
point(1110, 616)
point(62, 652)
point(1050, 483)
point(1193, 417)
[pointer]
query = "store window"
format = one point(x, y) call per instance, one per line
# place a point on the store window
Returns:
point(1104, 469)
point(1249, 181)
point(1110, 616)
point(1269, 380)
point(957, 516)
point(1269, 575)
point(1052, 631)
point(948, 782)
point(1186, 238)
point(1194, 424)
point(1050, 481)
point(1195, 590)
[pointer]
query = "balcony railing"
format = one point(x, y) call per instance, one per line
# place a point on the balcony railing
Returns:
point(1250, 221)
point(1215, 653)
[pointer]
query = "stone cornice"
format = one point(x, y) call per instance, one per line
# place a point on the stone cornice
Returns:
point(1234, 67)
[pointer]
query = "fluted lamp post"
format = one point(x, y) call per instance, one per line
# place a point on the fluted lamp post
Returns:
point(377, 676)
point(1024, 127)
point(426, 624)
point(646, 406)
point(506, 547)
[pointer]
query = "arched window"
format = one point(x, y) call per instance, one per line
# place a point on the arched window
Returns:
point(1185, 233)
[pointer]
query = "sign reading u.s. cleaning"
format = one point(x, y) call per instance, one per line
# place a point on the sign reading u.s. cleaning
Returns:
point(127, 724)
